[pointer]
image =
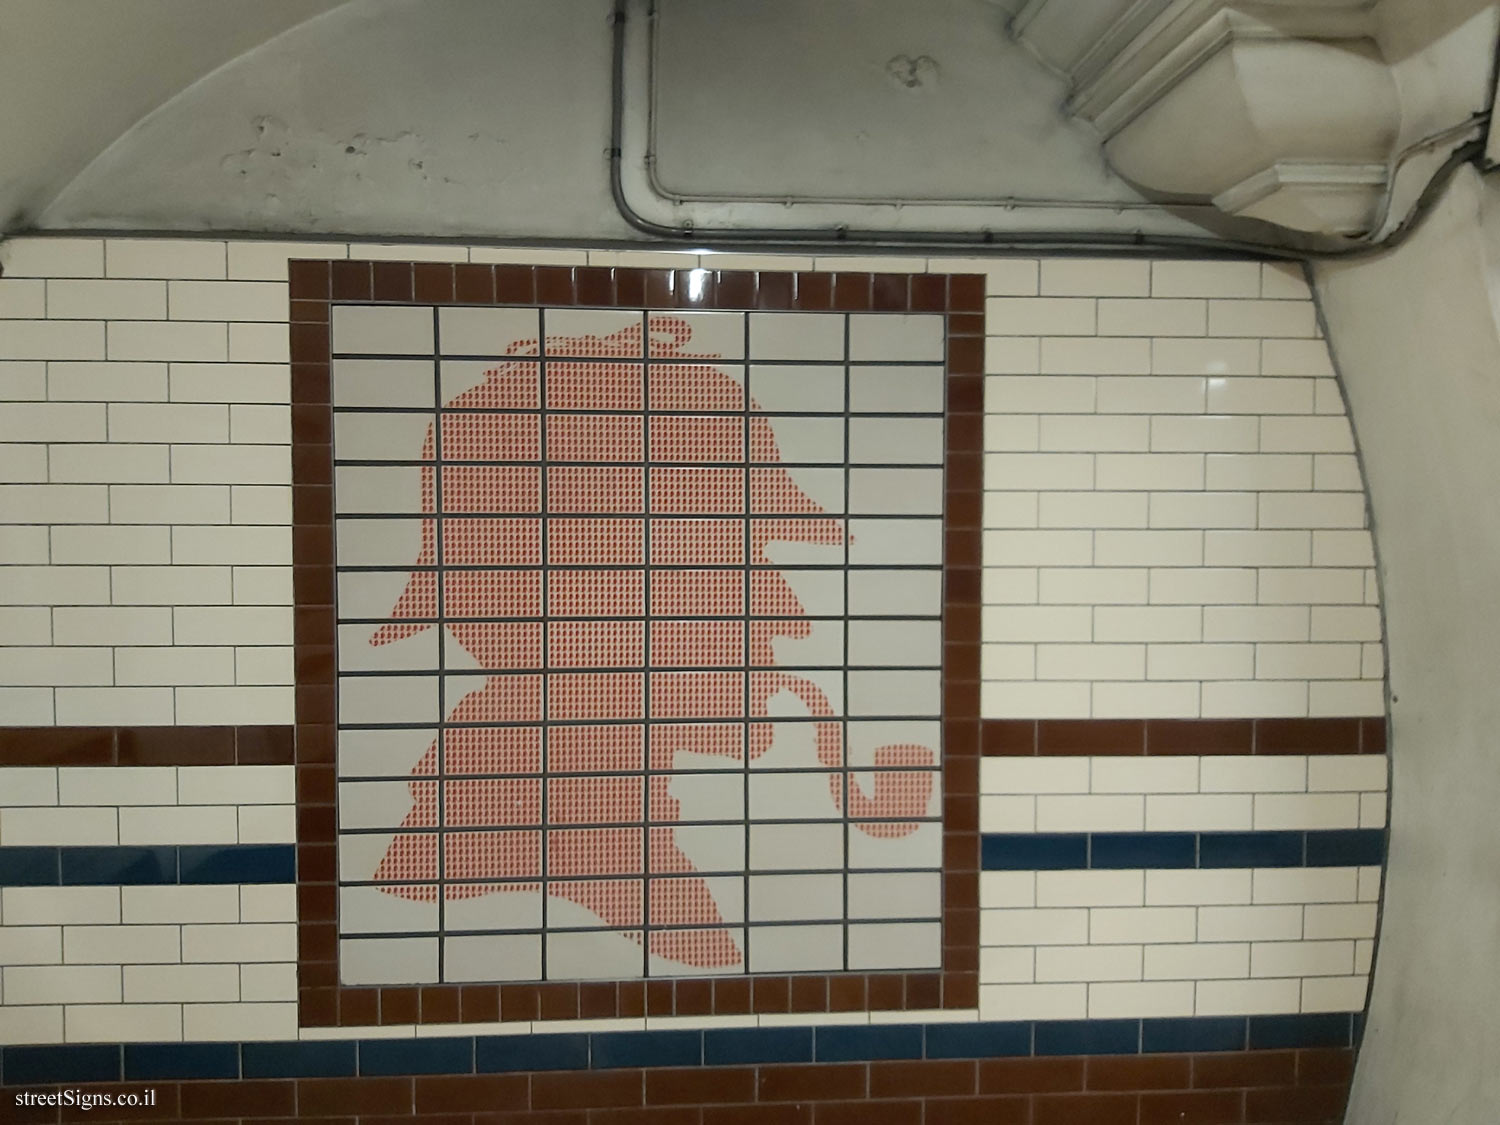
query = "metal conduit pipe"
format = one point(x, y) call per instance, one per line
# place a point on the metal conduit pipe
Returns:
point(1003, 242)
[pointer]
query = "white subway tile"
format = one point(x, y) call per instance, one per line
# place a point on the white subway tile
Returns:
point(1342, 697)
point(1141, 925)
point(1285, 281)
point(1091, 586)
point(268, 824)
point(1339, 773)
point(1034, 700)
point(1306, 811)
point(240, 1022)
point(164, 258)
point(1090, 888)
point(23, 299)
point(106, 300)
point(1160, 471)
point(52, 257)
point(1095, 355)
point(1041, 316)
point(239, 625)
point(1345, 920)
point(121, 945)
point(22, 666)
point(1258, 472)
point(52, 421)
point(1145, 700)
point(1140, 1000)
point(235, 785)
point(39, 825)
point(107, 382)
point(1205, 279)
point(1335, 994)
point(241, 464)
point(1095, 277)
point(1257, 548)
point(1158, 316)
point(1370, 879)
point(260, 424)
point(1035, 624)
point(172, 503)
point(240, 942)
point(1088, 963)
point(228, 300)
point(1033, 1001)
point(1188, 433)
point(1255, 623)
point(230, 382)
point(111, 625)
point(1301, 958)
point(1007, 814)
point(168, 422)
point(178, 664)
point(1090, 662)
point(52, 906)
point(1372, 810)
point(1312, 509)
point(171, 585)
point(1343, 548)
point(1147, 624)
point(1337, 472)
point(1034, 471)
point(1093, 509)
point(547, 256)
point(178, 825)
point(244, 544)
point(1144, 775)
point(1094, 433)
point(51, 339)
point(1203, 509)
point(111, 464)
point(1327, 398)
point(30, 945)
point(1242, 395)
point(1261, 318)
point(1306, 884)
point(1034, 775)
point(23, 379)
point(1033, 927)
point(264, 666)
point(1025, 548)
point(27, 706)
point(273, 983)
point(259, 343)
point(677, 260)
point(1011, 433)
point(163, 340)
point(1007, 965)
point(1307, 661)
point(1091, 813)
point(114, 706)
point(1226, 886)
point(1148, 548)
point(1238, 699)
point(1328, 434)
point(1199, 961)
point(1188, 355)
point(62, 984)
point(1316, 586)
point(1247, 997)
point(1223, 812)
point(1007, 888)
point(114, 1023)
point(27, 785)
point(31, 1025)
point(1032, 394)
point(1364, 956)
point(113, 785)
point(1003, 510)
point(266, 261)
point(1153, 394)
point(1008, 585)
point(1295, 357)
point(181, 983)
point(253, 706)
point(263, 585)
point(53, 503)
point(268, 902)
point(1261, 773)
point(1012, 355)
point(54, 585)
point(175, 905)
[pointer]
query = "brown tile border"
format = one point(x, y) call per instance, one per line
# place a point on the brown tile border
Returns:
point(146, 746)
point(1308, 1086)
point(314, 286)
point(1159, 737)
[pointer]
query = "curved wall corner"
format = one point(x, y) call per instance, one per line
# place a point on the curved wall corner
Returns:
point(1416, 335)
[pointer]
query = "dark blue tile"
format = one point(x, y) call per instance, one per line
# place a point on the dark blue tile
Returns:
point(1206, 1033)
point(857, 1042)
point(109, 866)
point(29, 867)
point(1333, 1029)
point(311, 1058)
point(1088, 1037)
point(744, 1045)
point(181, 1060)
point(978, 1040)
point(495, 1054)
point(1250, 849)
point(1143, 849)
point(645, 1048)
point(48, 1066)
point(416, 1056)
point(1023, 851)
point(243, 863)
point(1346, 847)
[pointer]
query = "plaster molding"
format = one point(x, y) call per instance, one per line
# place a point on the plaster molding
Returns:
point(1310, 195)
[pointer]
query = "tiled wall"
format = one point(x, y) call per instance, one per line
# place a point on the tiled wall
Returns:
point(1175, 529)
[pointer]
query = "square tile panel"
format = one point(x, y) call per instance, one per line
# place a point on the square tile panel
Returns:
point(638, 636)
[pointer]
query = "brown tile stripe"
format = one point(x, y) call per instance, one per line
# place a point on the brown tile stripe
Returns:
point(1028, 737)
point(1309, 1087)
point(146, 746)
point(314, 285)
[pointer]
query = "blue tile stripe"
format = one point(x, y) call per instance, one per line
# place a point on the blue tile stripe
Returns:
point(491, 1054)
point(1075, 851)
point(144, 866)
